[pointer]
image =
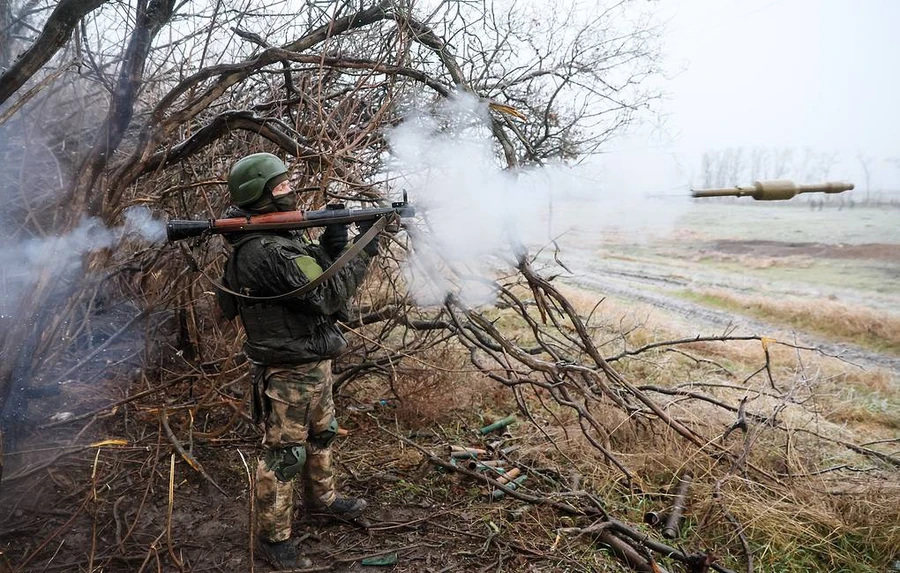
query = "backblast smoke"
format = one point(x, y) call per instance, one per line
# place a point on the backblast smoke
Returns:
point(477, 215)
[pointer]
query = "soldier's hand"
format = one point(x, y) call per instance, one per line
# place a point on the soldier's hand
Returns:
point(372, 247)
point(393, 226)
point(334, 239)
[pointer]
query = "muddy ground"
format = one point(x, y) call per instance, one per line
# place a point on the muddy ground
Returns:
point(70, 506)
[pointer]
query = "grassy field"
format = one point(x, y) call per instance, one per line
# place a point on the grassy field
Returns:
point(831, 273)
point(749, 220)
point(829, 279)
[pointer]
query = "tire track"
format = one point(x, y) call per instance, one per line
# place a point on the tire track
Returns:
point(649, 288)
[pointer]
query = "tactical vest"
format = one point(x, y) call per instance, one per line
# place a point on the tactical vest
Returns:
point(280, 331)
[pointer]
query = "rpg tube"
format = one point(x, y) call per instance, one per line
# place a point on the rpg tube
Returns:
point(672, 528)
point(460, 452)
point(337, 214)
point(498, 425)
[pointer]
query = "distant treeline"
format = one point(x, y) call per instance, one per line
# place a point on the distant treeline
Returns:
point(740, 166)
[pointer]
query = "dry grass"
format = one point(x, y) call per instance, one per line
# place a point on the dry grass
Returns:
point(863, 326)
point(843, 519)
point(434, 390)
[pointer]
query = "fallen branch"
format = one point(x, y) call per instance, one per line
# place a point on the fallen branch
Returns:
point(695, 561)
point(164, 420)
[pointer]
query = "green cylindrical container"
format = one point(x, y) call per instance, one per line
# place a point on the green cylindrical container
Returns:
point(498, 425)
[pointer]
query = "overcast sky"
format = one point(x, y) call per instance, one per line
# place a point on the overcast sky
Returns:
point(823, 74)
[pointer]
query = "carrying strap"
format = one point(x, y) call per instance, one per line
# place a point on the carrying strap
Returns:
point(354, 250)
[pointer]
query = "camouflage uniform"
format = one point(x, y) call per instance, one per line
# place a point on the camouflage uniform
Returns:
point(290, 343)
point(300, 405)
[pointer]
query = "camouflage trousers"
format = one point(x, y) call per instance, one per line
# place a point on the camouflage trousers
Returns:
point(297, 406)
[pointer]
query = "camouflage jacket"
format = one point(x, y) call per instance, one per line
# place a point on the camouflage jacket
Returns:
point(290, 330)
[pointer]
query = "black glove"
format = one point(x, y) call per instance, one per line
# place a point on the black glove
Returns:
point(334, 240)
point(372, 248)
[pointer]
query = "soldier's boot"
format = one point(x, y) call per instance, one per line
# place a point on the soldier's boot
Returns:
point(344, 507)
point(321, 499)
point(275, 508)
point(282, 554)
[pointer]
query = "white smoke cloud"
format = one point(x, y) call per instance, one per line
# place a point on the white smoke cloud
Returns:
point(475, 211)
point(60, 256)
point(139, 222)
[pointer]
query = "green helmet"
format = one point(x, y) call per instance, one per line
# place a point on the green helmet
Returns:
point(248, 178)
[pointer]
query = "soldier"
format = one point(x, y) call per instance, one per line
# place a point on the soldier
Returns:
point(289, 343)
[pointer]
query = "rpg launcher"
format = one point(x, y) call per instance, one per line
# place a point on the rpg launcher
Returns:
point(335, 214)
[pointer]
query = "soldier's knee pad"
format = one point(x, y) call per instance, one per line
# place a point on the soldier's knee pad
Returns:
point(324, 438)
point(287, 462)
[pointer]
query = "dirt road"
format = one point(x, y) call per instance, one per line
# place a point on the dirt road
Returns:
point(699, 320)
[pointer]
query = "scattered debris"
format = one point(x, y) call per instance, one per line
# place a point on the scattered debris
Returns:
point(672, 528)
point(382, 561)
point(498, 425)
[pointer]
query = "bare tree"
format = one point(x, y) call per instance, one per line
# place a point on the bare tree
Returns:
point(144, 109)
point(731, 166)
point(56, 32)
point(865, 162)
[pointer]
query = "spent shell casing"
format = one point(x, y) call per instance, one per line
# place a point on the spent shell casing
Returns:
point(499, 493)
point(509, 476)
point(672, 528)
point(498, 425)
point(508, 450)
point(461, 452)
point(486, 464)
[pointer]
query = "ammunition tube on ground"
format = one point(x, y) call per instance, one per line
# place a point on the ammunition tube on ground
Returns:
point(461, 452)
point(499, 493)
point(508, 450)
point(624, 551)
point(672, 528)
point(486, 464)
point(509, 476)
point(498, 425)
point(652, 518)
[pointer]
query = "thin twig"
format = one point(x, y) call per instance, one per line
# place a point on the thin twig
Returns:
point(169, 543)
point(164, 420)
